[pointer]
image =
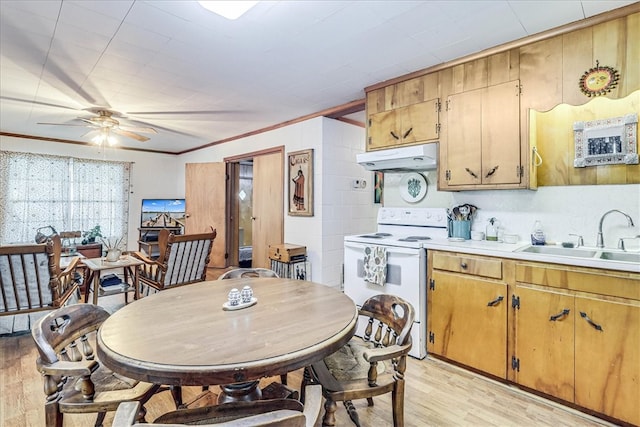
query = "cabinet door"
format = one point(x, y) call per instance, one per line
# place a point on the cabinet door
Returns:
point(607, 335)
point(501, 134)
point(419, 122)
point(464, 128)
point(544, 341)
point(468, 321)
point(383, 130)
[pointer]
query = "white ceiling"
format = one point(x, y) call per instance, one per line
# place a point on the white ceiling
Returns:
point(198, 78)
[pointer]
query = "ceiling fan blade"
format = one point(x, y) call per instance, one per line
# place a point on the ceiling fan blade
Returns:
point(90, 121)
point(178, 113)
point(26, 101)
point(130, 135)
point(138, 129)
point(60, 124)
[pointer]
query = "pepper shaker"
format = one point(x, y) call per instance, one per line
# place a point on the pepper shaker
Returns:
point(234, 297)
point(247, 294)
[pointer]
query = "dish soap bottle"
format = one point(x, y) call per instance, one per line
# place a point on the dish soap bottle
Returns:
point(492, 230)
point(537, 234)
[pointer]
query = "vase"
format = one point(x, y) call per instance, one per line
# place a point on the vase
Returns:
point(113, 255)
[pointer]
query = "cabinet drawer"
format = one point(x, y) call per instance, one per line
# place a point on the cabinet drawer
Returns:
point(485, 267)
point(612, 283)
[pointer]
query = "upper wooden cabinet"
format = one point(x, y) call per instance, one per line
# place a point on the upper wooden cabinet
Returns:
point(491, 130)
point(404, 113)
point(404, 126)
point(483, 141)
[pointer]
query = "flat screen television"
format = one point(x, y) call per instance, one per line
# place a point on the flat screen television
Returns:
point(162, 213)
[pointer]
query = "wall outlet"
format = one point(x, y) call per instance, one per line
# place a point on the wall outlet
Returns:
point(359, 183)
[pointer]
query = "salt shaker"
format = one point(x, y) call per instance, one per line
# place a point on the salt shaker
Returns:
point(234, 297)
point(247, 294)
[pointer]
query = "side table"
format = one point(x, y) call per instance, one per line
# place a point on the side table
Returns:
point(96, 265)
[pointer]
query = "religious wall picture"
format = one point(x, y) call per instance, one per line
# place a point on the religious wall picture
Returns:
point(300, 164)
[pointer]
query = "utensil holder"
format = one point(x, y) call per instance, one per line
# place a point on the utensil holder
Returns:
point(461, 228)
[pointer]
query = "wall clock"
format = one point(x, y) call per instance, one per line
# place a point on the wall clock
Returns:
point(598, 80)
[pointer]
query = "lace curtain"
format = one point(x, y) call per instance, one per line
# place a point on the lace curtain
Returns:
point(67, 193)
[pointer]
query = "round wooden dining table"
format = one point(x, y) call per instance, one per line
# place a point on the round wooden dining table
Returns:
point(184, 336)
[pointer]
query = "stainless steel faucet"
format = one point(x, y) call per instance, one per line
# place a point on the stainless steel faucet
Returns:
point(600, 238)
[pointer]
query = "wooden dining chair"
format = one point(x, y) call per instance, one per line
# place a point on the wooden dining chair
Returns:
point(32, 281)
point(275, 412)
point(74, 380)
point(183, 260)
point(247, 272)
point(371, 365)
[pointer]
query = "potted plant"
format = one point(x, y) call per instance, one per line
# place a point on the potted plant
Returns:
point(90, 236)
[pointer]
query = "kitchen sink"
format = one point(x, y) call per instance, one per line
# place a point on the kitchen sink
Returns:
point(621, 256)
point(553, 250)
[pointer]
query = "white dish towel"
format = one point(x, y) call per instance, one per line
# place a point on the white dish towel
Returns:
point(375, 265)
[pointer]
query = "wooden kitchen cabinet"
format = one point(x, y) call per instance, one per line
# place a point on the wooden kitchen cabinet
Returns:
point(483, 138)
point(544, 345)
point(404, 126)
point(467, 306)
point(577, 345)
point(607, 357)
point(404, 113)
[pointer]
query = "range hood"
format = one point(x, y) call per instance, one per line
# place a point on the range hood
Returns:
point(411, 158)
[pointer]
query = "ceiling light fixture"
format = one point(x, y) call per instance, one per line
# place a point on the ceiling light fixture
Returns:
point(228, 9)
point(104, 137)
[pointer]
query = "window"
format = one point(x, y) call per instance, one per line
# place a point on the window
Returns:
point(66, 193)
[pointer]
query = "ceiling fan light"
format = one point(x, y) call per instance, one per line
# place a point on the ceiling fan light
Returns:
point(228, 9)
point(98, 139)
point(112, 140)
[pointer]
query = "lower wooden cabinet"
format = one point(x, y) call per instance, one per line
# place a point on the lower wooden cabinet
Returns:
point(468, 321)
point(569, 332)
point(544, 346)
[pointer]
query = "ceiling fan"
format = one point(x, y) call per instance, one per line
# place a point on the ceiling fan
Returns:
point(104, 124)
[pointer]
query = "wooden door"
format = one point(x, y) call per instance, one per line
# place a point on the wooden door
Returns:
point(501, 134)
point(463, 145)
point(469, 322)
point(607, 335)
point(544, 341)
point(268, 206)
point(205, 200)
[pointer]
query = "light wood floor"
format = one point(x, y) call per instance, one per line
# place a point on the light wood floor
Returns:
point(437, 394)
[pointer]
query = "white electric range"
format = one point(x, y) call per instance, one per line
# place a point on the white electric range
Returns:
point(402, 232)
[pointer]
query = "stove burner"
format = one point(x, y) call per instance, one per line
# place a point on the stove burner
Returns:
point(407, 239)
point(419, 237)
point(376, 235)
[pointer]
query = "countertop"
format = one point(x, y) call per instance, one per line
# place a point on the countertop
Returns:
point(512, 251)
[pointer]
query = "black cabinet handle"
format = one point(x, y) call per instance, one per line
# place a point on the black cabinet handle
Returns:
point(591, 322)
point(406, 134)
point(495, 301)
point(559, 315)
point(491, 172)
point(394, 135)
point(470, 172)
point(463, 265)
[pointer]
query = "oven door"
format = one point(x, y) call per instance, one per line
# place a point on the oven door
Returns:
point(406, 278)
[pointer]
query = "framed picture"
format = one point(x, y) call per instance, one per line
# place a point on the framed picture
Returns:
point(608, 141)
point(378, 187)
point(300, 164)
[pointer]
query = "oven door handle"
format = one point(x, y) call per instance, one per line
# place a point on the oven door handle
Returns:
point(390, 249)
